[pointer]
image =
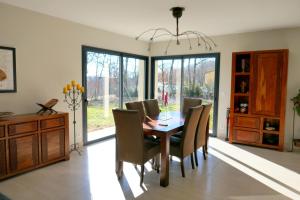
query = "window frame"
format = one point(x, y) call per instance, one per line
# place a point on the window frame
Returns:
point(84, 50)
point(182, 57)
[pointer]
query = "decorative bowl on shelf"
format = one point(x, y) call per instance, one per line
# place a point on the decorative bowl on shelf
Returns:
point(270, 128)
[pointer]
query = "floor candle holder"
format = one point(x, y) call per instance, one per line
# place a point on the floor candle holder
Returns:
point(73, 97)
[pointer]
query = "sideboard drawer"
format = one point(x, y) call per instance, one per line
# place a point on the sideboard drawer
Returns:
point(245, 136)
point(25, 127)
point(2, 131)
point(52, 123)
point(247, 122)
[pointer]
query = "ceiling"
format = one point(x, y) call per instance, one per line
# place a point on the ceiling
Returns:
point(131, 17)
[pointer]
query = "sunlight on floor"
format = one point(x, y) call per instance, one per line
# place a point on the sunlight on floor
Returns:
point(133, 178)
point(265, 171)
point(98, 170)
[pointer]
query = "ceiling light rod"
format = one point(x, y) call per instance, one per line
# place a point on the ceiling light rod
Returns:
point(156, 33)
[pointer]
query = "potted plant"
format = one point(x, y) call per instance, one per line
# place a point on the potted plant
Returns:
point(296, 101)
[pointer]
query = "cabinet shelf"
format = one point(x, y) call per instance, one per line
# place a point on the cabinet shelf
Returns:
point(271, 132)
point(242, 73)
point(241, 94)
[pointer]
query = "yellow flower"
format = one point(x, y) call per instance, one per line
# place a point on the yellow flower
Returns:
point(65, 90)
point(82, 89)
point(78, 86)
point(73, 82)
point(69, 87)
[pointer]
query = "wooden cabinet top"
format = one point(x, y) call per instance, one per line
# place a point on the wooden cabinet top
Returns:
point(29, 117)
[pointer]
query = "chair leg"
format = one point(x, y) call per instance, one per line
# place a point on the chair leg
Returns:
point(204, 152)
point(182, 167)
point(192, 161)
point(142, 174)
point(196, 157)
point(119, 168)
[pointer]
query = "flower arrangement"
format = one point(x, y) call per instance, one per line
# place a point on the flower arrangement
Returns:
point(296, 101)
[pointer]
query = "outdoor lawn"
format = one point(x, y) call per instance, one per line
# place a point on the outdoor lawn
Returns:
point(97, 119)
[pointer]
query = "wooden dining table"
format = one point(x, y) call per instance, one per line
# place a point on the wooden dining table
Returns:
point(163, 126)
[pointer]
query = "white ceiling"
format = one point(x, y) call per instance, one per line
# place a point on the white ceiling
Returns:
point(131, 17)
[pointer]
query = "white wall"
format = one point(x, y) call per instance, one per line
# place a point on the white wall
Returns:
point(276, 39)
point(48, 55)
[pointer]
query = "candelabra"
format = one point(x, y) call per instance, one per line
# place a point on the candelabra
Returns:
point(73, 97)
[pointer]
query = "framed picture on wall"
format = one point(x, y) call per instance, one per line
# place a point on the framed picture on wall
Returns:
point(8, 82)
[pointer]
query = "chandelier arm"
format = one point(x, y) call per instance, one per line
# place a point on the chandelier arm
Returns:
point(155, 30)
point(189, 39)
point(194, 33)
point(209, 38)
point(168, 45)
point(161, 35)
point(203, 38)
point(140, 35)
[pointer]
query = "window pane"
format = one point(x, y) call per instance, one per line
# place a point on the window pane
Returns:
point(199, 80)
point(102, 93)
point(133, 79)
point(168, 82)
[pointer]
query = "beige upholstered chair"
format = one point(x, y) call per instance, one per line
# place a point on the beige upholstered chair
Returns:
point(201, 134)
point(137, 105)
point(152, 108)
point(182, 147)
point(190, 102)
point(130, 143)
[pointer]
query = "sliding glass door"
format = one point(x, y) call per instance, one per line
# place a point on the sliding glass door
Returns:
point(111, 79)
point(187, 76)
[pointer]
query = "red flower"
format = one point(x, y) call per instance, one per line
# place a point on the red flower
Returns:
point(166, 99)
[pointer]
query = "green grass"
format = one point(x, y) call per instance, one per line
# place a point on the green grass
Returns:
point(98, 120)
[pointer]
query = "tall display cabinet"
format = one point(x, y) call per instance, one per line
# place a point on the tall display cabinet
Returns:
point(258, 98)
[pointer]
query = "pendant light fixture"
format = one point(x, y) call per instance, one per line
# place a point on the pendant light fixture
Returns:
point(201, 38)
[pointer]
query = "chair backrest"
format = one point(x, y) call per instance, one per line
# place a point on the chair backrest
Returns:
point(129, 135)
point(152, 108)
point(200, 137)
point(189, 130)
point(139, 106)
point(190, 102)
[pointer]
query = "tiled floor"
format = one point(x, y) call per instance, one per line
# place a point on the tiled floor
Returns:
point(230, 172)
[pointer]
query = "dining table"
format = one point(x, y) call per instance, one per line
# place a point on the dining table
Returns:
point(164, 126)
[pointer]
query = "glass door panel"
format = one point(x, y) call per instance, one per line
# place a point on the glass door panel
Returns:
point(102, 94)
point(199, 81)
point(133, 79)
point(168, 83)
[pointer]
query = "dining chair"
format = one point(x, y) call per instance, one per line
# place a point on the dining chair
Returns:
point(201, 134)
point(190, 102)
point(137, 105)
point(130, 143)
point(152, 108)
point(184, 146)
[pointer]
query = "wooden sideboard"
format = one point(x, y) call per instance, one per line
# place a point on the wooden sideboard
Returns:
point(258, 98)
point(31, 141)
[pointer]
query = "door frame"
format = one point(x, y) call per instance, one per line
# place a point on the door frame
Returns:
point(182, 57)
point(84, 50)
